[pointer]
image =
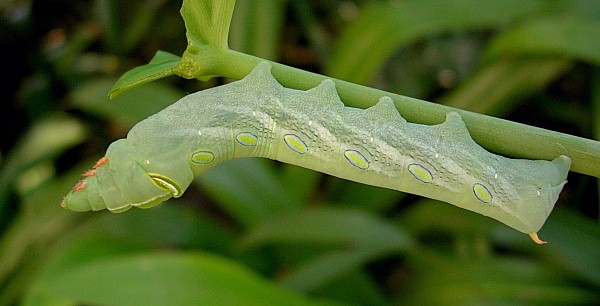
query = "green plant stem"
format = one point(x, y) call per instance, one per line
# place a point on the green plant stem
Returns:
point(497, 135)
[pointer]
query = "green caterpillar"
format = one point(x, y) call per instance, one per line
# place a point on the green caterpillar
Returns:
point(256, 116)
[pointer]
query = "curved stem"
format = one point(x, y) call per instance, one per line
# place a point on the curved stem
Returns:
point(495, 134)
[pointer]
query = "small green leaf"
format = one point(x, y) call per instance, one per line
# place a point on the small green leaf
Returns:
point(161, 65)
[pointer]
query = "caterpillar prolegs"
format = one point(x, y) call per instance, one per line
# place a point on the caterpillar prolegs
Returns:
point(257, 116)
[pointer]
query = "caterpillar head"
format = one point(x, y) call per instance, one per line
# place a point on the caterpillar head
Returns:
point(118, 182)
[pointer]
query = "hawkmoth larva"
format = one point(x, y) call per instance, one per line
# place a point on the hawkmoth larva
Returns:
point(256, 116)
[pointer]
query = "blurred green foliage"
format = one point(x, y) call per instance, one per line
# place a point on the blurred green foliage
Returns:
point(255, 232)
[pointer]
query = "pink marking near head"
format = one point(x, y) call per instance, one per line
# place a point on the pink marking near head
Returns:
point(91, 172)
point(79, 186)
point(101, 162)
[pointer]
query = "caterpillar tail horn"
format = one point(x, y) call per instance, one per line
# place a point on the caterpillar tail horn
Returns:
point(536, 239)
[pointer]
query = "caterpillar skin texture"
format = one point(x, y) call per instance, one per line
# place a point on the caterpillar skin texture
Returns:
point(256, 116)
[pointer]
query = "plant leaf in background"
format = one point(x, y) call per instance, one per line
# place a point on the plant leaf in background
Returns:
point(174, 279)
point(559, 36)
point(42, 143)
point(389, 26)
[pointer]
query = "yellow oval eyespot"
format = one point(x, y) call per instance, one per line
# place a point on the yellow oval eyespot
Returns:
point(203, 157)
point(166, 184)
point(482, 193)
point(247, 139)
point(420, 173)
point(356, 159)
point(295, 143)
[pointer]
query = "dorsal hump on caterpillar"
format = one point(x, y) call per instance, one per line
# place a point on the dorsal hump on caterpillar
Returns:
point(454, 128)
point(260, 76)
point(325, 95)
point(384, 111)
